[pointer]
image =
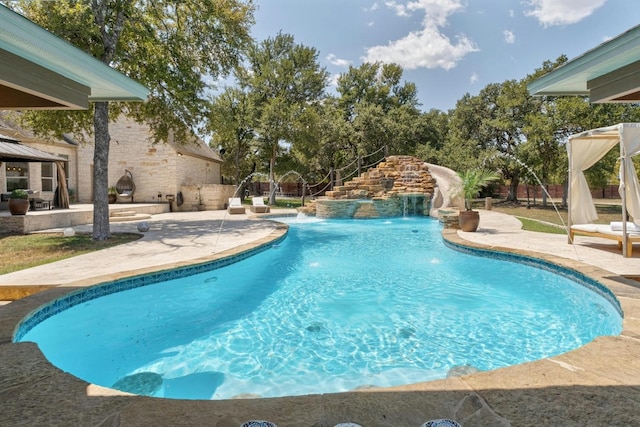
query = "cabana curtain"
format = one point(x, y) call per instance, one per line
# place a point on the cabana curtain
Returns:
point(630, 146)
point(584, 150)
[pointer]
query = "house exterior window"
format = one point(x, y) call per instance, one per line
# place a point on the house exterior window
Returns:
point(17, 175)
point(47, 176)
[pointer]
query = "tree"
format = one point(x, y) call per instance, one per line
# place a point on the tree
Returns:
point(553, 119)
point(377, 84)
point(230, 122)
point(487, 131)
point(379, 107)
point(283, 80)
point(433, 128)
point(173, 48)
point(464, 146)
point(330, 147)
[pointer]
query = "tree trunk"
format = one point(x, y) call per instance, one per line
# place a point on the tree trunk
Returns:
point(272, 177)
point(101, 229)
point(544, 193)
point(237, 163)
point(513, 190)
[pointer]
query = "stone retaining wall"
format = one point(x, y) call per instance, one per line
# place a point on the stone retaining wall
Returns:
point(397, 205)
point(62, 218)
point(206, 197)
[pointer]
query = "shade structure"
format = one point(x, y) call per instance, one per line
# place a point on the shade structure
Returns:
point(39, 70)
point(607, 73)
point(584, 150)
point(12, 151)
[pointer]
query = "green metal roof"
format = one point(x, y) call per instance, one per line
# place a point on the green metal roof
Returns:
point(609, 72)
point(40, 70)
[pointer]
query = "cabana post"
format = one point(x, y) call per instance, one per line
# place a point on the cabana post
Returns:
point(623, 194)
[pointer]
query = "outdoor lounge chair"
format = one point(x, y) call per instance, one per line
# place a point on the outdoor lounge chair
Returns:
point(235, 206)
point(611, 231)
point(125, 187)
point(258, 205)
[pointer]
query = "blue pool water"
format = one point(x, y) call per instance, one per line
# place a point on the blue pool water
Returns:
point(338, 305)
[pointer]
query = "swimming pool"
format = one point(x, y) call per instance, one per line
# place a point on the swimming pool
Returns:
point(336, 306)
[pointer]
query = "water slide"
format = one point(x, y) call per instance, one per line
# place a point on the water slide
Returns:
point(446, 183)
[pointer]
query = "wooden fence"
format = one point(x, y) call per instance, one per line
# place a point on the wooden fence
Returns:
point(556, 191)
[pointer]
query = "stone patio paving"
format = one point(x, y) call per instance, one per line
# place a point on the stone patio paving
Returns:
point(598, 384)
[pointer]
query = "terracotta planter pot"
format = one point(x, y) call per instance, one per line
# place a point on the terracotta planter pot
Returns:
point(113, 198)
point(18, 206)
point(469, 220)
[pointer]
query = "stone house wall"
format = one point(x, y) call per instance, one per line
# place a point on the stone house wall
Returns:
point(158, 170)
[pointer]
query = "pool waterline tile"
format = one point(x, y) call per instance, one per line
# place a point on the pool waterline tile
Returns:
point(110, 287)
point(564, 271)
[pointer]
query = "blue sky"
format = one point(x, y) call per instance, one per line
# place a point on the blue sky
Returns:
point(446, 47)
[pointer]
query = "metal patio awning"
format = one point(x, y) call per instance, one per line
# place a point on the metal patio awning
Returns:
point(607, 73)
point(12, 151)
point(39, 70)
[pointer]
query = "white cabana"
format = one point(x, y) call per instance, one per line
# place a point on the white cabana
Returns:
point(584, 150)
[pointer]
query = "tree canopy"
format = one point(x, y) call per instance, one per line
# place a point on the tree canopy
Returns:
point(502, 128)
point(280, 116)
point(176, 49)
point(284, 84)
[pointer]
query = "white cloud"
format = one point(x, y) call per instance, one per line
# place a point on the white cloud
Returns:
point(427, 47)
point(370, 24)
point(474, 78)
point(511, 13)
point(373, 7)
point(333, 80)
point(401, 10)
point(436, 11)
point(561, 12)
point(509, 37)
point(334, 60)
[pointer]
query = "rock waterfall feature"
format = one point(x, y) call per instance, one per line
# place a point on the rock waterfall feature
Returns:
point(398, 186)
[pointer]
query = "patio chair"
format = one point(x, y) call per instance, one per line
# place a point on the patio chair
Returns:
point(41, 204)
point(235, 206)
point(258, 205)
point(125, 187)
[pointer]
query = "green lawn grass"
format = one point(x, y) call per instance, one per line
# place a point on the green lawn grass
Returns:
point(541, 227)
point(281, 202)
point(26, 251)
point(606, 213)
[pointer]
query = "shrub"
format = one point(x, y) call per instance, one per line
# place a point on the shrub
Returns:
point(19, 194)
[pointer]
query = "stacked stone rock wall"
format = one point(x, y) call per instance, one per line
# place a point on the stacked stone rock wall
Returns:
point(396, 174)
point(394, 185)
point(337, 209)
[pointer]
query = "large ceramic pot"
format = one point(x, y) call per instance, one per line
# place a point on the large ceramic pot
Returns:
point(18, 206)
point(113, 198)
point(469, 220)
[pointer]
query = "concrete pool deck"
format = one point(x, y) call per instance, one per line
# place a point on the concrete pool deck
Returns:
point(597, 384)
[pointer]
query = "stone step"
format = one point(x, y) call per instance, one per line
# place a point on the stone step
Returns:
point(117, 214)
point(134, 217)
